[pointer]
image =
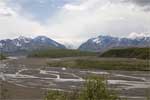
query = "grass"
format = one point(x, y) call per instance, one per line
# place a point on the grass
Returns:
point(58, 53)
point(141, 53)
point(95, 88)
point(2, 57)
point(105, 64)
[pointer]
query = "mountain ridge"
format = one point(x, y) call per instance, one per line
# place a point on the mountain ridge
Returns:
point(103, 43)
point(24, 43)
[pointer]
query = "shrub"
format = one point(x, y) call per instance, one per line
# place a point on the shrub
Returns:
point(95, 89)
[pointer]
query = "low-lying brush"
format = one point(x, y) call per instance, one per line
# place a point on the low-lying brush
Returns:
point(55, 53)
point(113, 64)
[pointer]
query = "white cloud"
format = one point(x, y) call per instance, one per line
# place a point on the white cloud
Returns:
point(83, 5)
point(4, 11)
point(74, 7)
point(14, 24)
point(134, 35)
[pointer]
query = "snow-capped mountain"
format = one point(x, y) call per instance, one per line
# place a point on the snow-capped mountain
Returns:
point(102, 43)
point(24, 43)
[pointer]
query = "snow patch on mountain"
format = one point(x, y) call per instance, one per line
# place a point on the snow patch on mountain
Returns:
point(97, 40)
point(18, 44)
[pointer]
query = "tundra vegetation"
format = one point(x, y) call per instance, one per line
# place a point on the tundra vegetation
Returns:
point(60, 53)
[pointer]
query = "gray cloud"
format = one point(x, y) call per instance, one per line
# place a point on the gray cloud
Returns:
point(144, 4)
point(146, 9)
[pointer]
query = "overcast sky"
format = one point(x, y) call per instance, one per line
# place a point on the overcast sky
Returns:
point(74, 21)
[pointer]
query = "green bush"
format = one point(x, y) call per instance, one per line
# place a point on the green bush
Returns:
point(95, 89)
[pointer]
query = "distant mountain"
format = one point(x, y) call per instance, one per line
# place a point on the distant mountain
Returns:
point(102, 43)
point(43, 41)
point(24, 44)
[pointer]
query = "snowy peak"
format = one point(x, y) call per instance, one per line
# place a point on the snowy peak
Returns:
point(41, 38)
point(101, 39)
point(46, 40)
point(21, 40)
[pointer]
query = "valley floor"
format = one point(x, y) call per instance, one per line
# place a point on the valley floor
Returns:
point(30, 78)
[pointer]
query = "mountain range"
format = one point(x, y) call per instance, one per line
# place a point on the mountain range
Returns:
point(98, 44)
point(23, 43)
point(103, 43)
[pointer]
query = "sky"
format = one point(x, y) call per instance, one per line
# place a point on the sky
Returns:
point(74, 21)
